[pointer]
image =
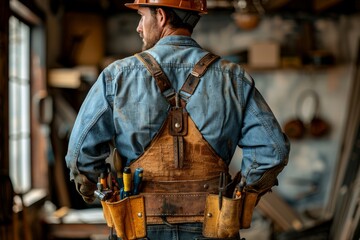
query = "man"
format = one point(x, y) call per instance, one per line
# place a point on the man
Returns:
point(179, 113)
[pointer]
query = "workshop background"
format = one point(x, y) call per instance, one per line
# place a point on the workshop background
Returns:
point(304, 56)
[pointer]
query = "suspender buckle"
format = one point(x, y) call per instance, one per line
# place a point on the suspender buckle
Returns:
point(195, 74)
point(169, 93)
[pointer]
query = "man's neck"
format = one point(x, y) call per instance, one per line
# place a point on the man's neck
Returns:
point(178, 31)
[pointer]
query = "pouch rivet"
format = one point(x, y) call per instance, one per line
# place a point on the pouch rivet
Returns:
point(209, 215)
point(177, 125)
point(139, 214)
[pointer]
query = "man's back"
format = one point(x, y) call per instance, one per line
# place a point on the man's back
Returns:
point(132, 108)
point(215, 106)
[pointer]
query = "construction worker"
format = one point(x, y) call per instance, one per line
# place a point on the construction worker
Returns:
point(178, 112)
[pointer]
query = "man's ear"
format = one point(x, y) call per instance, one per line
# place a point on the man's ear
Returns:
point(161, 17)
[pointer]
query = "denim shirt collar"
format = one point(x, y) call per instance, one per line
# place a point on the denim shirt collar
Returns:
point(178, 40)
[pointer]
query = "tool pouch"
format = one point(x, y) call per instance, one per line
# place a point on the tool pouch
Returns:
point(107, 214)
point(249, 201)
point(224, 222)
point(252, 193)
point(127, 216)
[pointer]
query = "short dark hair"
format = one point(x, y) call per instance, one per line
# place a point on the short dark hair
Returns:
point(174, 20)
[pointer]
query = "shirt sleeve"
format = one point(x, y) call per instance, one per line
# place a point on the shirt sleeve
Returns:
point(91, 134)
point(263, 143)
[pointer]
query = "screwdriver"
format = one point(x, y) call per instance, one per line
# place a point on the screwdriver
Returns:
point(127, 183)
point(138, 175)
point(103, 181)
point(118, 168)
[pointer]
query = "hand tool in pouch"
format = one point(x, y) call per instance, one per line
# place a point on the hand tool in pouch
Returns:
point(222, 187)
point(138, 175)
point(103, 192)
point(118, 168)
point(126, 190)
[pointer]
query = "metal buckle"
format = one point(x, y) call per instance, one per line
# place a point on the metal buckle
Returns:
point(195, 74)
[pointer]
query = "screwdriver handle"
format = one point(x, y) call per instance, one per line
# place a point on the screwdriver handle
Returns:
point(138, 176)
point(127, 181)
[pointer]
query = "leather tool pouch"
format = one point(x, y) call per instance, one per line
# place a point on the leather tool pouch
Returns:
point(224, 222)
point(235, 214)
point(107, 214)
point(127, 216)
point(249, 202)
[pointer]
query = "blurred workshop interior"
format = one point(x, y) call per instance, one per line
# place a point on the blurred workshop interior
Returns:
point(303, 54)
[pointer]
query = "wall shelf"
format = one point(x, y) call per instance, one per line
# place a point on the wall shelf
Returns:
point(306, 68)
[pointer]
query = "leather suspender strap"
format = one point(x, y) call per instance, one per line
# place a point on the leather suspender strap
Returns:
point(198, 71)
point(163, 82)
point(155, 70)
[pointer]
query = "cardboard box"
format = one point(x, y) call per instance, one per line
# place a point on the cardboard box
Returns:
point(264, 55)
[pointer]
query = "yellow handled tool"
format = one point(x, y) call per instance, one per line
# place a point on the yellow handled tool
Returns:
point(127, 183)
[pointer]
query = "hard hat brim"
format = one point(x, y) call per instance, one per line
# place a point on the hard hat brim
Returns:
point(136, 6)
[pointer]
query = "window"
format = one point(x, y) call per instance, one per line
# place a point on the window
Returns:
point(19, 105)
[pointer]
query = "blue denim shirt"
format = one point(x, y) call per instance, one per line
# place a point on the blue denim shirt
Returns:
point(125, 106)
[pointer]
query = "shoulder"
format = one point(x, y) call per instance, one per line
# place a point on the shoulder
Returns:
point(121, 66)
point(233, 70)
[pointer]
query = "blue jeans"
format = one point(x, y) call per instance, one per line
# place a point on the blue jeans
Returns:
point(184, 231)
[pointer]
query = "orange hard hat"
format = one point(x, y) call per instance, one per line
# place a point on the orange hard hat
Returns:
point(189, 5)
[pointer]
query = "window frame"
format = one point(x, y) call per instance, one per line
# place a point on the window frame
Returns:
point(34, 18)
point(19, 104)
